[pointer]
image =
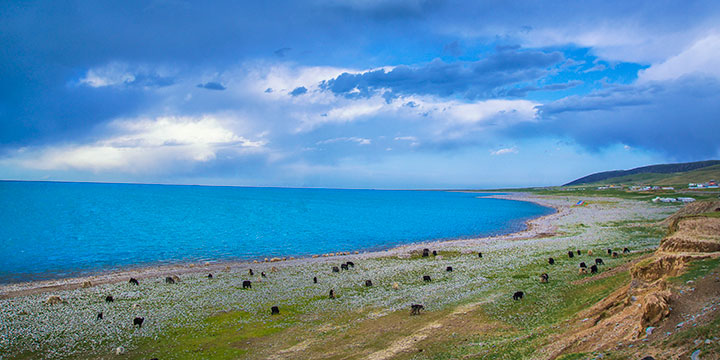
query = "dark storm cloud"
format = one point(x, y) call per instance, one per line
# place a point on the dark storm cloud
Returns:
point(484, 78)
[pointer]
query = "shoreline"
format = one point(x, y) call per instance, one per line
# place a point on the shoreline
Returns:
point(539, 227)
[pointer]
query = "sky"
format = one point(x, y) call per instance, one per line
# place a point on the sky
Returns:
point(356, 93)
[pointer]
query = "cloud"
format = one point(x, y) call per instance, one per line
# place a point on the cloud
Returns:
point(701, 59)
point(123, 74)
point(358, 140)
point(484, 78)
point(211, 86)
point(299, 91)
point(677, 118)
point(504, 151)
point(282, 52)
point(140, 145)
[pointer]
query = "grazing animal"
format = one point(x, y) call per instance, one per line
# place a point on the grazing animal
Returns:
point(263, 274)
point(551, 261)
point(609, 251)
point(599, 261)
point(426, 278)
point(426, 253)
point(344, 266)
point(99, 316)
point(571, 254)
point(480, 255)
point(251, 272)
point(169, 280)
point(335, 269)
point(53, 299)
point(351, 264)
point(86, 284)
point(368, 282)
point(594, 269)
point(582, 265)
point(583, 270)
point(589, 252)
point(314, 279)
point(415, 309)
point(247, 284)
point(176, 278)
point(332, 293)
point(544, 278)
point(434, 253)
point(274, 310)
point(210, 276)
point(614, 254)
point(109, 298)
point(578, 252)
point(626, 250)
point(133, 281)
point(648, 358)
point(395, 286)
point(518, 295)
point(138, 321)
point(449, 268)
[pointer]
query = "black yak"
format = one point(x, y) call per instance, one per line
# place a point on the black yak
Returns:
point(335, 269)
point(109, 298)
point(169, 280)
point(426, 253)
point(426, 278)
point(344, 266)
point(138, 321)
point(274, 310)
point(594, 269)
point(571, 254)
point(314, 279)
point(626, 250)
point(415, 309)
point(247, 284)
point(351, 264)
point(599, 261)
point(518, 295)
point(368, 282)
point(449, 268)
point(99, 316)
point(582, 265)
point(551, 261)
point(133, 281)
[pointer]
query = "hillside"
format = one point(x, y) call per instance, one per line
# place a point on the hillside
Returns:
point(665, 174)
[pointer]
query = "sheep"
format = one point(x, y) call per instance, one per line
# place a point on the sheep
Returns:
point(551, 261)
point(582, 265)
point(583, 271)
point(138, 321)
point(176, 278)
point(599, 261)
point(335, 269)
point(351, 264)
point(626, 250)
point(415, 309)
point(448, 269)
point(53, 299)
point(274, 310)
point(594, 269)
point(109, 298)
point(426, 278)
point(247, 284)
point(395, 286)
point(518, 295)
point(332, 293)
point(169, 280)
point(133, 281)
point(344, 266)
point(86, 284)
point(544, 278)
point(368, 282)
point(99, 316)
point(589, 252)
point(314, 279)
point(571, 254)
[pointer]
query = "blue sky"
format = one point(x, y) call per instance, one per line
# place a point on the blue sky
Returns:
point(366, 93)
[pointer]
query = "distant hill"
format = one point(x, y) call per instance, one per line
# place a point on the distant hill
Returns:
point(665, 174)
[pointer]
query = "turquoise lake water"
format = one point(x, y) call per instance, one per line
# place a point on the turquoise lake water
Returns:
point(51, 230)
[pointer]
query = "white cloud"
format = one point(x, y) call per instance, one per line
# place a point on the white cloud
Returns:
point(700, 58)
point(505, 151)
point(140, 145)
point(358, 140)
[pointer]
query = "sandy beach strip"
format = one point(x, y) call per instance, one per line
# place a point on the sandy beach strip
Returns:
point(543, 226)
